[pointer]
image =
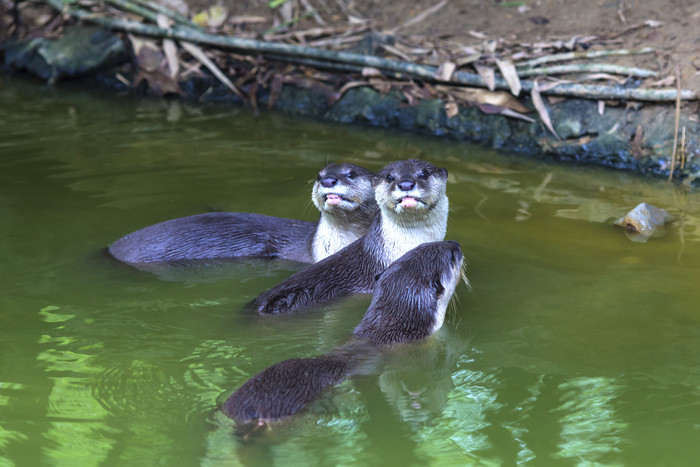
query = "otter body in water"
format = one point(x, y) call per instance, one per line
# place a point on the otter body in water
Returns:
point(409, 304)
point(342, 192)
point(413, 210)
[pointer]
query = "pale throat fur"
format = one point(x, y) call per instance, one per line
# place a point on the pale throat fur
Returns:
point(402, 232)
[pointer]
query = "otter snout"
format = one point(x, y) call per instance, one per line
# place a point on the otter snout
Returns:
point(328, 182)
point(406, 185)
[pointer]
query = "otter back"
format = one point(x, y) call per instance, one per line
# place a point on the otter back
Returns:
point(216, 235)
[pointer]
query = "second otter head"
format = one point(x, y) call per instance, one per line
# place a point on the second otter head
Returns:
point(410, 188)
point(343, 189)
point(411, 297)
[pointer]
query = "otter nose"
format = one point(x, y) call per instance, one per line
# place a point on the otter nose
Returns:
point(329, 182)
point(406, 185)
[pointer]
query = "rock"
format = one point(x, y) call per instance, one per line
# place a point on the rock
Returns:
point(81, 51)
point(643, 221)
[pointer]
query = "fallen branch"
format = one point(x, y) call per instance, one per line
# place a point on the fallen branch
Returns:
point(291, 53)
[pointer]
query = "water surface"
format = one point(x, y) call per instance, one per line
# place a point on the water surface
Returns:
point(575, 346)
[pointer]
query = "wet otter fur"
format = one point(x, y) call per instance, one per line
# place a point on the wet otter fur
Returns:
point(413, 209)
point(409, 304)
point(342, 192)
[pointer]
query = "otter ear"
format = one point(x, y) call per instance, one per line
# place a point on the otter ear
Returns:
point(444, 171)
point(437, 286)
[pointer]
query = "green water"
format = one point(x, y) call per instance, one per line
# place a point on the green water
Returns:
point(576, 346)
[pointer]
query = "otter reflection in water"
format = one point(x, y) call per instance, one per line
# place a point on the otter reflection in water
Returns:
point(409, 303)
point(413, 207)
point(342, 192)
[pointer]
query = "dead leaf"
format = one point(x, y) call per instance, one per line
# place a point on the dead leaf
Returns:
point(510, 74)
point(460, 62)
point(151, 67)
point(235, 20)
point(636, 142)
point(350, 85)
point(451, 109)
point(198, 54)
point(490, 46)
point(212, 17)
point(368, 71)
point(541, 109)
point(488, 75)
point(445, 71)
point(667, 81)
point(169, 47)
point(605, 76)
point(380, 85)
point(496, 98)
point(514, 114)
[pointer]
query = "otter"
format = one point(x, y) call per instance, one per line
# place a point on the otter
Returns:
point(409, 304)
point(342, 192)
point(413, 209)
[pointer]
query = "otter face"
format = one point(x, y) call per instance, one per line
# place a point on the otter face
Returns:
point(409, 187)
point(344, 187)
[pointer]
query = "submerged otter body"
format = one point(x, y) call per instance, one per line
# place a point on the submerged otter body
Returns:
point(413, 209)
point(409, 304)
point(342, 192)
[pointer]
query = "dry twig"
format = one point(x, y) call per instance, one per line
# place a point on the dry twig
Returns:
point(678, 117)
point(583, 54)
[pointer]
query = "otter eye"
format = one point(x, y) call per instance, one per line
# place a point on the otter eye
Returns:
point(351, 175)
point(318, 179)
point(424, 174)
point(389, 178)
point(437, 285)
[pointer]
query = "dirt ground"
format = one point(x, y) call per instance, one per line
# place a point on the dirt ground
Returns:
point(669, 27)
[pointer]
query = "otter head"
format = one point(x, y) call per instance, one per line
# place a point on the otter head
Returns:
point(435, 269)
point(411, 295)
point(410, 188)
point(342, 189)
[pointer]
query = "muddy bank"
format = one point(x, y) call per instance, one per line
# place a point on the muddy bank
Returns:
point(632, 136)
